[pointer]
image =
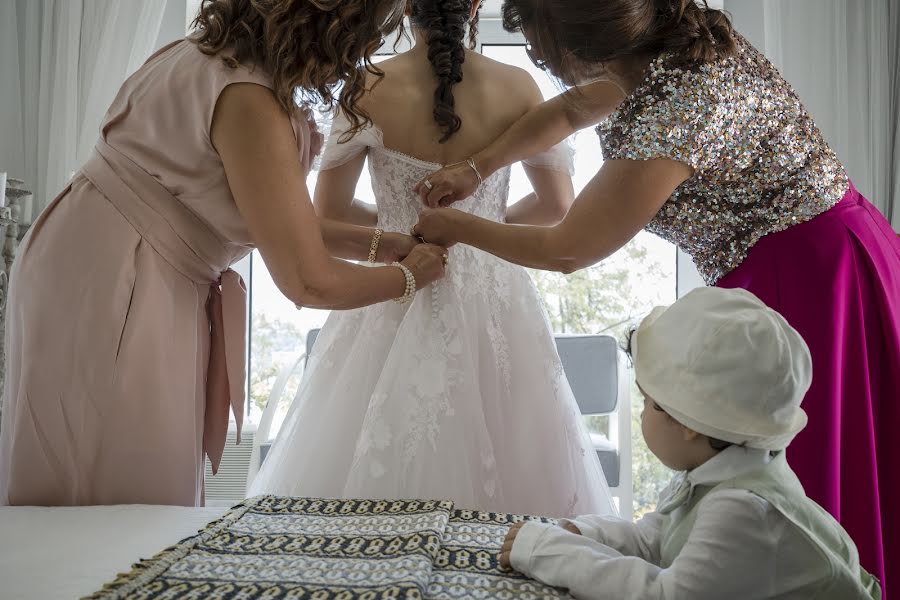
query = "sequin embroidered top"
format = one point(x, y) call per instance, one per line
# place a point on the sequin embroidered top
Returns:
point(761, 164)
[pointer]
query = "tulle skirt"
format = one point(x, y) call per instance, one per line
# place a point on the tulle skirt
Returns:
point(460, 395)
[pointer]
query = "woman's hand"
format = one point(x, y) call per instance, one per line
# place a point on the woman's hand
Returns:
point(427, 263)
point(440, 226)
point(447, 186)
point(394, 247)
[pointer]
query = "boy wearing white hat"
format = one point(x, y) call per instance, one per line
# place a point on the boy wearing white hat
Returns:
point(723, 376)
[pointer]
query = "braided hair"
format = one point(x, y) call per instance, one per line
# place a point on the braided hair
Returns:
point(444, 24)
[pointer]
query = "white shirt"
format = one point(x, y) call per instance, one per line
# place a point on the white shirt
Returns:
point(740, 547)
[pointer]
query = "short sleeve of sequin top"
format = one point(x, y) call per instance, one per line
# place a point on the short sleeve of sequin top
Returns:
point(672, 114)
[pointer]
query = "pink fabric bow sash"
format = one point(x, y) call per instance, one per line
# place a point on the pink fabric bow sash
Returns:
point(191, 248)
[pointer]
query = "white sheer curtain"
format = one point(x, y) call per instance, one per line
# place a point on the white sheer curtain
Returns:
point(62, 62)
point(843, 58)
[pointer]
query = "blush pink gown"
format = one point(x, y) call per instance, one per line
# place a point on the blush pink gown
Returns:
point(125, 327)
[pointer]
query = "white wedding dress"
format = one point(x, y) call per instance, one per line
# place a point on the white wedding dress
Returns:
point(459, 395)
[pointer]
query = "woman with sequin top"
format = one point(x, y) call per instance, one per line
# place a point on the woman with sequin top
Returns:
point(706, 145)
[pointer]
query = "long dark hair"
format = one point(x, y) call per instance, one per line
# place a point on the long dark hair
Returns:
point(597, 32)
point(310, 48)
point(444, 24)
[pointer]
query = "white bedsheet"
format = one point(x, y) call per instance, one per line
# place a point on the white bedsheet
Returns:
point(66, 553)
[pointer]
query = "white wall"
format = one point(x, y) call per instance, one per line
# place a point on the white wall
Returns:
point(749, 18)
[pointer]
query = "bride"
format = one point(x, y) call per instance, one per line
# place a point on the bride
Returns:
point(459, 394)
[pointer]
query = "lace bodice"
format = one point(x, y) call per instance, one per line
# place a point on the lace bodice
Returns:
point(394, 175)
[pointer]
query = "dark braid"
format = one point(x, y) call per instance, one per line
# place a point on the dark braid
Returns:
point(444, 23)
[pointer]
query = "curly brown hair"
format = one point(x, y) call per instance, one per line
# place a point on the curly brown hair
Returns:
point(317, 52)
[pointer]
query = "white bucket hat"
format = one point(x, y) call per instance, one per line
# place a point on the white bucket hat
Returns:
point(727, 366)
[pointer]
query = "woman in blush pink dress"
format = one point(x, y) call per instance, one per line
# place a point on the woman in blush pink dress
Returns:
point(125, 327)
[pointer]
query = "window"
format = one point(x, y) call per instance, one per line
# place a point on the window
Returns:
point(605, 298)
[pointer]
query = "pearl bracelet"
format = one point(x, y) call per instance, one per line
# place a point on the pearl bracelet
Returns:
point(373, 249)
point(410, 291)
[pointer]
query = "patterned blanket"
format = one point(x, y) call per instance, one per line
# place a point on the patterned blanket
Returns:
point(272, 547)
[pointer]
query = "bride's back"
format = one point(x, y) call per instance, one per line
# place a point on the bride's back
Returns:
point(487, 100)
point(435, 105)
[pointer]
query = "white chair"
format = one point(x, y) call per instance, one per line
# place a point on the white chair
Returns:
point(595, 368)
point(261, 441)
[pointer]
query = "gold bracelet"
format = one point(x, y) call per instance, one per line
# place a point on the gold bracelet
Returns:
point(471, 162)
point(373, 249)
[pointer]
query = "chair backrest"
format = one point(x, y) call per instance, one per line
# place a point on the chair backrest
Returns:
point(311, 341)
point(591, 364)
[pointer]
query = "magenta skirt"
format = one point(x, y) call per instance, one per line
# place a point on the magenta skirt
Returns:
point(836, 279)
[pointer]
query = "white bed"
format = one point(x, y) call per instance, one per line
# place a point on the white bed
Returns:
point(66, 553)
